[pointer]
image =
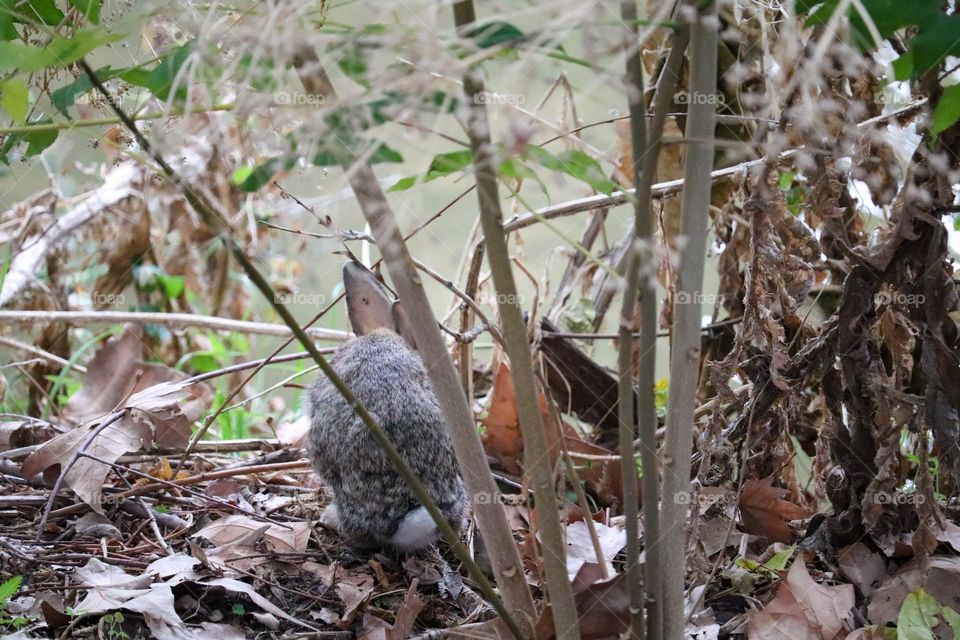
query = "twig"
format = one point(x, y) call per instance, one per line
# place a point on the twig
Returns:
point(173, 320)
point(537, 463)
point(642, 147)
point(181, 487)
point(52, 357)
point(647, 422)
point(669, 187)
point(685, 349)
point(158, 485)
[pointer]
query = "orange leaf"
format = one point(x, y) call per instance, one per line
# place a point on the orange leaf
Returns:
point(764, 513)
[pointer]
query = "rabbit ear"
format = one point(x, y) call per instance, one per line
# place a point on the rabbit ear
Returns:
point(369, 306)
point(402, 324)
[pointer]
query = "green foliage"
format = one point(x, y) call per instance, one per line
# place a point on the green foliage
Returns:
point(59, 51)
point(8, 589)
point(160, 80)
point(112, 624)
point(918, 617)
point(947, 111)
point(769, 569)
point(15, 99)
point(935, 34)
point(495, 33)
point(575, 164)
point(89, 8)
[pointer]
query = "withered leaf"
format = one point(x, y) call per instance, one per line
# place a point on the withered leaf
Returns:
point(764, 513)
point(803, 609)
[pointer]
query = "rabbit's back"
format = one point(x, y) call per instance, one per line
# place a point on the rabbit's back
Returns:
point(390, 381)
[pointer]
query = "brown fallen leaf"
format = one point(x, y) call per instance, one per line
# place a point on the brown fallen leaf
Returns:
point(153, 416)
point(376, 629)
point(603, 609)
point(764, 513)
point(352, 588)
point(116, 372)
point(941, 580)
point(237, 539)
point(502, 438)
point(862, 567)
point(803, 610)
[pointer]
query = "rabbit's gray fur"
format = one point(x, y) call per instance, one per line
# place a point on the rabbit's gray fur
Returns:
point(372, 499)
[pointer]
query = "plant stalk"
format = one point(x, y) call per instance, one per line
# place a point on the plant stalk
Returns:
point(536, 456)
point(685, 347)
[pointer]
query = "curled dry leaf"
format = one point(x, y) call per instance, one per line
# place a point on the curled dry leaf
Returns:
point(151, 416)
point(764, 513)
point(603, 609)
point(117, 372)
point(353, 589)
point(236, 538)
point(580, 549)
point(376, 629)
point(803, 610)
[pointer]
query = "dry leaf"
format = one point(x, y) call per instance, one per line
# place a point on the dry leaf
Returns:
point(151, 416)
point(580, 549)
point(803, 610)
point(603, 609)
point(376, 629)
point(764, 513)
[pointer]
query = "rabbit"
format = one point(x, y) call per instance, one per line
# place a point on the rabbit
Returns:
point(372, 505)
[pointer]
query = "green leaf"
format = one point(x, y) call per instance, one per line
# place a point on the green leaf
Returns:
point(353, 63)
point(38, 141)
point(160, 80)
point(403, 184)
point(65, 97)
point(172, 285)
point(15, 99)
point(918, 616)
point(89, 8)
point(446, 163)
point(779, 560)
point(9, 589)
point(903, 67)
point(46, 10)
point(495, 33)
point(335, 154)
point(933, 44)
point(7, 30)
point(575, 164)
point(947, 111)
point(250, 179)
point(59, 52)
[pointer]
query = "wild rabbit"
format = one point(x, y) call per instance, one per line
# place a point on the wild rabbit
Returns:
point(372, 504)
